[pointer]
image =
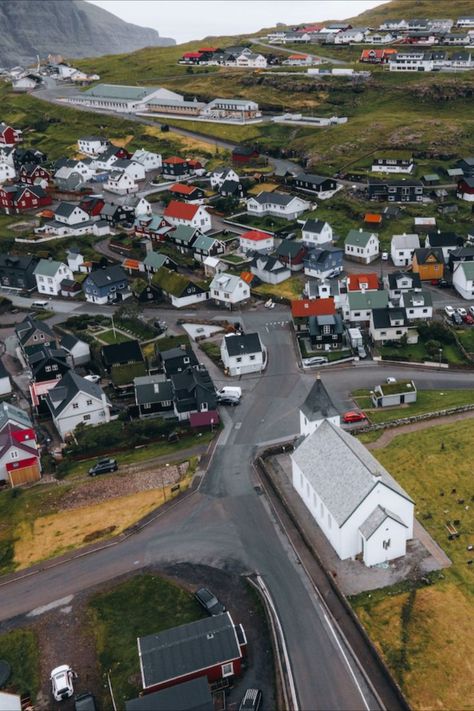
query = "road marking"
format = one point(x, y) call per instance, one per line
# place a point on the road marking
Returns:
point(329, 623)
point(50, 606)
point(266, 329)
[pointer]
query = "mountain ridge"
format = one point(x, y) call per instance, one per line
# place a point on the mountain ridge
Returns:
point(73, 28)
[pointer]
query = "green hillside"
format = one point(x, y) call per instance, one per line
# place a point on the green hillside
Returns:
point(399, 9)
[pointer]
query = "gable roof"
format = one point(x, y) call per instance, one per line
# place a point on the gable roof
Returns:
point(393, 278)
point(29, 325)
point(181, 650)
point(364, 301)
point(181, 210)
point(193, 695)
point(173, 283)
point(155, 260)
point(121, 92)
point(226, 282)
point(302, 308)
point(14, 413)
point(121, 353)
point(423, 254)
point(108, 276)
point(290, 249)
point(48, 267)
point(445, 239)
point(182, 189)
point(358, 238)
point(468, 270)
point(341, 470)
point(59, 397)
point(357, 282)
point(411, 241)
point(384, 317)
point(274, 198)
point(376, 519)
point(255, 235)
point(65, 209)
point(318, 404)
point(152, 389)
point(314, 226)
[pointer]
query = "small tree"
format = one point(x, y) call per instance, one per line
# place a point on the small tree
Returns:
point(433, 347)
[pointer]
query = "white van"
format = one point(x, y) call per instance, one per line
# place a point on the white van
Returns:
point(230, 391)
point(38, 304)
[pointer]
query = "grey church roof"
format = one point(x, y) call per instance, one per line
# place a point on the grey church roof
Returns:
point(341, 470)
point(375, 520)
point(318, 404)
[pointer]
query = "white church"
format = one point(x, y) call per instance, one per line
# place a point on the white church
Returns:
point(358, 505)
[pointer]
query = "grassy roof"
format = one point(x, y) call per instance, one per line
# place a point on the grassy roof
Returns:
point(402, 386)
point(173, 283)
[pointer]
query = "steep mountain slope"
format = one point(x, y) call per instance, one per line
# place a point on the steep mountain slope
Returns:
point(73, 28)
point(398, 9)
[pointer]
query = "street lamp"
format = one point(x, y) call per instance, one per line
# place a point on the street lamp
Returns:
point(440, 353)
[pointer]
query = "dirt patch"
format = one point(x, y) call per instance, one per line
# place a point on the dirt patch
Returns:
point(94, 535)
point(138, 478)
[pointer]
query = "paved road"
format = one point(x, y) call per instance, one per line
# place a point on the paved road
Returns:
point(281, 48)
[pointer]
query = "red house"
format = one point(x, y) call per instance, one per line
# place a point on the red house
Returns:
point(465, 189)
point(92, 205)
point(175, 166)
point(31, 173)
point(19, 456)
point(244, 154)
point(303, 308)
point(192, 57)
point(9, 136)
point(20, 198)
point(213, 647)
point(152, 227)
point(186, 192)
point(363, 282)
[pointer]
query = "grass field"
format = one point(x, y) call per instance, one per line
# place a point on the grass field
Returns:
point(427, 401)
point(20, 649)
point(289, 289)
point(417, 352)
point(111, 337)
point(421, 631)
point(143, 605)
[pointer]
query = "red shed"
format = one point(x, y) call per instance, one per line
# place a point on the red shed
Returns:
point(213, 647)
point(466, 189)
point(244, 154)
point(9, 136)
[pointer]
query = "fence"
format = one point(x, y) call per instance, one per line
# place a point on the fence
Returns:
point(415, 418)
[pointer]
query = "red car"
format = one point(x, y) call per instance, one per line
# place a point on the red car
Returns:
point(468, 319)
point(354, 417)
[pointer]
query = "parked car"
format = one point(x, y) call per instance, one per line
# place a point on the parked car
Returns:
point(228, 400)
point(469, 319)
point(461, 311)
point(354, 416)
point(103, 466)
point(390, 380)
point(361, 352)
point(315, 360)
point(384, 256)
point(92, 378)
point(62, 682)
point(160, 326)
point(85, 702)
point(471, 310)
point(269, 304)
point(456, 318)
point(448, 310)
point(443, 284)
point(231, 391)
point(209, 601)
point(173, 437)
point(252, 700)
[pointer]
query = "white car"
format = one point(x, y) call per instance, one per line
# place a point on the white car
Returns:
point(92, 378)
point(61, 682)
point(384, 256)
point(448, 310)
point(315, 360)
point(391, 381)
point(471, 310)
point(461, 311)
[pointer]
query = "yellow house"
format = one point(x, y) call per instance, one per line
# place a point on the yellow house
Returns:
point(428, 262)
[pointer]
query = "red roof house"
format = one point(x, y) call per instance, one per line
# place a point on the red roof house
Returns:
point(187, 192)
point(19, 198)
point(19, 456)
point(303, 308)
point(362, 282)
point(9, 136)
point(183, 213)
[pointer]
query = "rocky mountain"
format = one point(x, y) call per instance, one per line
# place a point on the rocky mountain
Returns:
point(73, 28)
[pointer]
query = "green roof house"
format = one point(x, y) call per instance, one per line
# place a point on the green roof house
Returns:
point(179, 289)
point(360, 246)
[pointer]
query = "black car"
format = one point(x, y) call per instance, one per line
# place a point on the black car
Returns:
point(209, 601)
point(164, 127)
point(103, 466)
point(443, 284)
point(227, 400)
point(252, 700)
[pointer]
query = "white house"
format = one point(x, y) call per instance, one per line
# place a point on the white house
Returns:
point(7, 172)
point(133, 168)
point(220, 175)
point(148, 159)
point(353, 499)
point(399, 283)
point(359, 305)
point(92, 145)
point(463, 279)
point(77, 349)
point(70, 214)
point(182, 213)
point(251, 60)
point(120, 183)
point(402, 248)
point(256, 241)
point(49, 275)
point(418, 305)
point(317, 232)
point(270, 270)
point(5, 382)
point(389, 324)
point(117, 97)
point(317, 407)
point(243, 353)
point(282, 205)
point(348, 36)
point(75, 400)
point(361, 246)
point(227, 289)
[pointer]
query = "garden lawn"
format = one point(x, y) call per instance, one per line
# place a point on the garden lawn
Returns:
point(109, 337)
point(213, 351)
point(20, 649)
point(143, 605)
point(427, 401)
point(417, 353)
point(268, 223)
point(289, 289)
point(423, 631)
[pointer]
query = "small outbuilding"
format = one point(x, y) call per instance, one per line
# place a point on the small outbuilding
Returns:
point(389, 394)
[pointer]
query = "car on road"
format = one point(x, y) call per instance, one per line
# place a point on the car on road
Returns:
point(209, 601)
point(390, 380)
point(85, 702)
point(103, 466)
point(315, 360)
point(448, 310)
point(469, 319)
point(461, 311)
point(252, 700)
point(354, 416)
point(269, 304)
point(471, 310)
point(230, 390)
point(228, 400)
point(62, 682)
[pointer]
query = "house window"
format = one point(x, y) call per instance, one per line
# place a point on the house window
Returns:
point(75, 406)
point(166, 403)
point(89, 402)
point(147, 406)
point(227, 669)
point(54, 367)
point(48, 368)
point(204, 407)
point(86, 417)
point(252, 357)
point(239, 359)
point(386, 544)
point(14, 454)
